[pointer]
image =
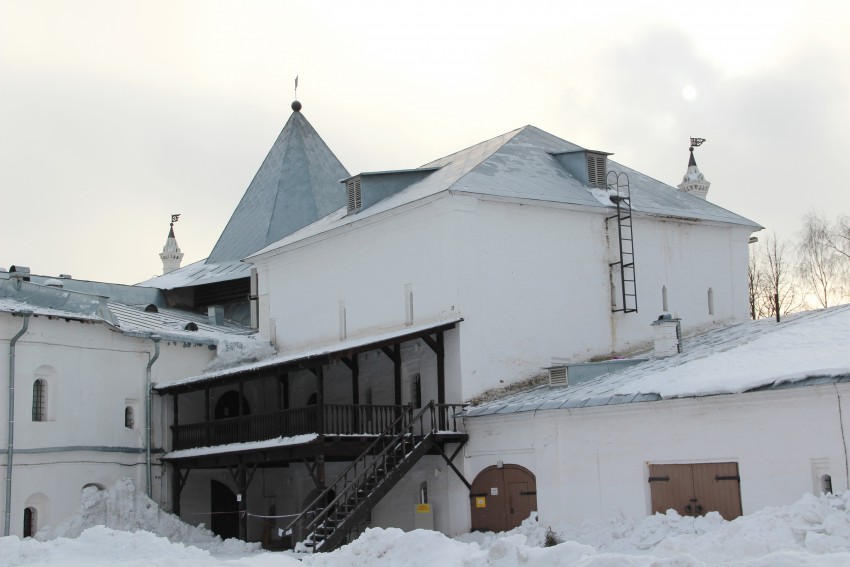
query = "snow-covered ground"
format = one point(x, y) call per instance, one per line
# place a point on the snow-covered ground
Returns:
point(811, 532)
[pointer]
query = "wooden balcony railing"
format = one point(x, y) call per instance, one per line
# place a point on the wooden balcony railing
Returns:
point(336, 419)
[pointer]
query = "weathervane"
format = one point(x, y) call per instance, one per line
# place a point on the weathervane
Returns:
point(695, 142)
point(296, 87)
point(175, 218)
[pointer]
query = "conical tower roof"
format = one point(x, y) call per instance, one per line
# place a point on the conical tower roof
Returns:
point(298, 183)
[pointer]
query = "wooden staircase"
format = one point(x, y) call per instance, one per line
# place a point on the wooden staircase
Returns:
point(345, 503)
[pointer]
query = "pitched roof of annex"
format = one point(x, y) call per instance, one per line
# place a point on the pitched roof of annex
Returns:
point(805, 348)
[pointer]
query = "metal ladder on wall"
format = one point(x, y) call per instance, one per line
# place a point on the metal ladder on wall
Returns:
point(346, 502)
point(619, 182)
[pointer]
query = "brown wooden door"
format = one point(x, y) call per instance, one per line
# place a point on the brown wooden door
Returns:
point(696, 489)
point(502, 497)
point(718, 487)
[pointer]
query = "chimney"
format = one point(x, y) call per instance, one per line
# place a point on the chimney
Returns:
point(215, 314)
point(668, 336)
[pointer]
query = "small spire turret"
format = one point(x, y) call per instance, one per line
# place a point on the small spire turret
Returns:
point(171, 255)
point(694, 182)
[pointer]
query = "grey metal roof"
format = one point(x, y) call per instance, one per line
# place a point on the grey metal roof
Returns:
point(810, 334)
point(521, 164)
point(199, 273)
point(296, 184)
point(170, 324)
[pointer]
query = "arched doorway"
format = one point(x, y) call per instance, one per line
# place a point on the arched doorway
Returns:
point(224, 521)
point(30, 521)
point(502, 497)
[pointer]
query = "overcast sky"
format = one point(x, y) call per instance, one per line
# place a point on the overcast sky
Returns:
point(115, 114)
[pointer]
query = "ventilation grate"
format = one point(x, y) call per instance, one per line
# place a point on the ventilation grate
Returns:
point(558, 376)
point(354, 197)
point(596, 166)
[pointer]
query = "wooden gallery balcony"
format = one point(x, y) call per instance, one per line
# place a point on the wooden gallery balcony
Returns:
point(330, 420)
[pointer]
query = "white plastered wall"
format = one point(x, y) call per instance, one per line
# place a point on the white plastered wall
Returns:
point(593, 462)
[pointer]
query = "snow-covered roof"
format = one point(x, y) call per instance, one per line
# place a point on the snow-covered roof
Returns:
point(809, 346)
point(521, 164)
point(169, 323)
point(199, 273)
point(241, 447)
point(311, 352)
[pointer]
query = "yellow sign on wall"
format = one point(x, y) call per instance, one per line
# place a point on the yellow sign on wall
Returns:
point(480, 501)
point(423, 508)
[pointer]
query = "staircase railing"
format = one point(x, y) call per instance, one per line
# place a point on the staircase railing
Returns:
point(334, 511)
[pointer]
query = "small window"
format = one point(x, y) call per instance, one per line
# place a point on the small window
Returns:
point(39, 400)
point(129, 417)
point(30, 521)
point(423, 492)
point(355, 199)
point(408, 304)
point(416, 391)
point(710, 301)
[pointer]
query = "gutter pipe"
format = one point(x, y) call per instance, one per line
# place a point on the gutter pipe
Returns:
point(10, 444)
point(148, 403)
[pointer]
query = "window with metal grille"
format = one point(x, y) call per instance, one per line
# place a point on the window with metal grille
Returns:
point(354, 197)
point(39, 400)
point(596, 166)
point(129, 417)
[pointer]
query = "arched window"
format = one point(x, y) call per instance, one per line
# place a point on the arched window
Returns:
point(129, 417)
point(39, 400)
point(664, 305)
point(711, 301)
point(30, 521)
point(826, 484)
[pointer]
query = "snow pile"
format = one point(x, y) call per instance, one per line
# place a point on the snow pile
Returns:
point(233, 352)
point(124, 508)
point(810, 526)
point(811, 532)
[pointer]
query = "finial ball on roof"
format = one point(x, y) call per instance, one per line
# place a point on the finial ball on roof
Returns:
point(296, 106)
point(691, 148)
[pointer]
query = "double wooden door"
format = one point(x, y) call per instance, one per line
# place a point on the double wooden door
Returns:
point(696, 489)
point(502, 497)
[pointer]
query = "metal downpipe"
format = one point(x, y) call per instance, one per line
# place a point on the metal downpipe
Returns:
point(10, 444)
point(148, 419)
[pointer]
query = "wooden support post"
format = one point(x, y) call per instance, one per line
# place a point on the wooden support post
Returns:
point(242, 500)
point(320, 399)
point(397, 372)
point(441, 369)
point(241, 435)
point(354, 365)
point(208, 427)
point(175, 435)
point(285, 380)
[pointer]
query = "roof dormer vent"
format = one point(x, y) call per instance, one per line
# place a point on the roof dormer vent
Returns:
point(355, 197)
point(597, 167)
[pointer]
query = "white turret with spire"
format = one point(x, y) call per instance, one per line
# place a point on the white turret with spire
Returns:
point(694, 182)
point(171, 255)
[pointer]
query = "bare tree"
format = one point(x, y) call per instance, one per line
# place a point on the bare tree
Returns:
point(779, 293)
point(822, 264)
point(760, 296)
